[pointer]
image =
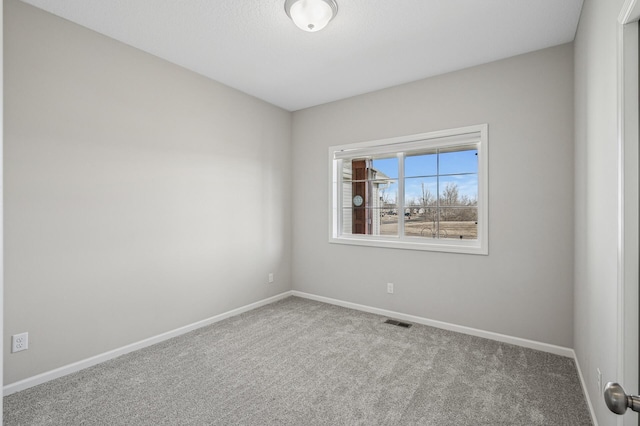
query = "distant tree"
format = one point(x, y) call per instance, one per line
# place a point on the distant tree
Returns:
point(450, 194)
point(449, 198)
point(470, 212)
point(427, 201)
point(426, 198)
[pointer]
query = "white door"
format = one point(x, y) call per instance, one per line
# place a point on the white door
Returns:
point(629, 193)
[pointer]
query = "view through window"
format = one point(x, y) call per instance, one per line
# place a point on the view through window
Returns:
point(423, 191)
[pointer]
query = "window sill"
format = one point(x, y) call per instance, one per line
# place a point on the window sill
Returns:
point(453, 246)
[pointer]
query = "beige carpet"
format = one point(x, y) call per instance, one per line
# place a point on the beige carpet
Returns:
point(300, 362)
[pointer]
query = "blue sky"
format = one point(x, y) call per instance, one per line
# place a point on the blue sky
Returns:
point(423, 169)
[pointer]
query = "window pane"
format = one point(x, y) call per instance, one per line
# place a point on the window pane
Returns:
point(420, 191)
point(376, 194)
point(459, 190)
point(383, 223)
point(389, 221)
point(347, 172)
point(425, 164)
point(369, 221)
point(465, 161)
point(387, 192)
point(421, 222)
point(385, 168)
point(347, 197)
point(459, 223)
point(357, 170)
point(347, 221)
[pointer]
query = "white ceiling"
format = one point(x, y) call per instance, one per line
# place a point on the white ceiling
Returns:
point(253, 46)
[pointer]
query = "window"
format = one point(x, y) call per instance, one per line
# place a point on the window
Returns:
point(421, 192)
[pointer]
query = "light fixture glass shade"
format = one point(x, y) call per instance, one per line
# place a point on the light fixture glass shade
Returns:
point(311, 15)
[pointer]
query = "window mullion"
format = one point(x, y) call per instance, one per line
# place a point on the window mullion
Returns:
point(400, 197)
point(437, 236)
point(339, 200)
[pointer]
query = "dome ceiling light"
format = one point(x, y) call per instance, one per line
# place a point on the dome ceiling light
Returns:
point(311, 15)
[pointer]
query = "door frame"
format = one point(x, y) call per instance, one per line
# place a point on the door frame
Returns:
point(628, 115)
point(1, 204)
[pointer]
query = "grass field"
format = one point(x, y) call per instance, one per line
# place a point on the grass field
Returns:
point(417, 227)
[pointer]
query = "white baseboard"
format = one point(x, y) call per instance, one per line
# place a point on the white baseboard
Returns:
point(89, 362)
point(532, 344)
point(585, 391)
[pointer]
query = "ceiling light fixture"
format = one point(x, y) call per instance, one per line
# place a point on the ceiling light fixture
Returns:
point(311, 15)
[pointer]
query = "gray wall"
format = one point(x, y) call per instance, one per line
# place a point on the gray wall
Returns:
point(140, 197)
point(524, 287)
point(596, 204)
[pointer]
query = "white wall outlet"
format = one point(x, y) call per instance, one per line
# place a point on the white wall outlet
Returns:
point(270, 277)
point(599, 379)
point(19, 342)
point(390, 288)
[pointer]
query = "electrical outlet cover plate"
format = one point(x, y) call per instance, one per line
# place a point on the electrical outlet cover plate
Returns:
point(19, 342)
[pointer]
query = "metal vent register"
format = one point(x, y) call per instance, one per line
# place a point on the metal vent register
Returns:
point(398, 323)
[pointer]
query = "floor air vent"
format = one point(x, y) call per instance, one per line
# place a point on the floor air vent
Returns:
point(398, 323)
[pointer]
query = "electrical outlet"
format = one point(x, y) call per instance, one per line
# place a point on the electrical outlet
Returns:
point(390, 288)
point(19, 342)
point(599, 379)
point(270, 277)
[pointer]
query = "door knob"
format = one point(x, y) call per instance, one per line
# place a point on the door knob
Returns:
point(618, 401)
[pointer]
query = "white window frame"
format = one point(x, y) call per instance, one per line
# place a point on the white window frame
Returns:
point(476, 135)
